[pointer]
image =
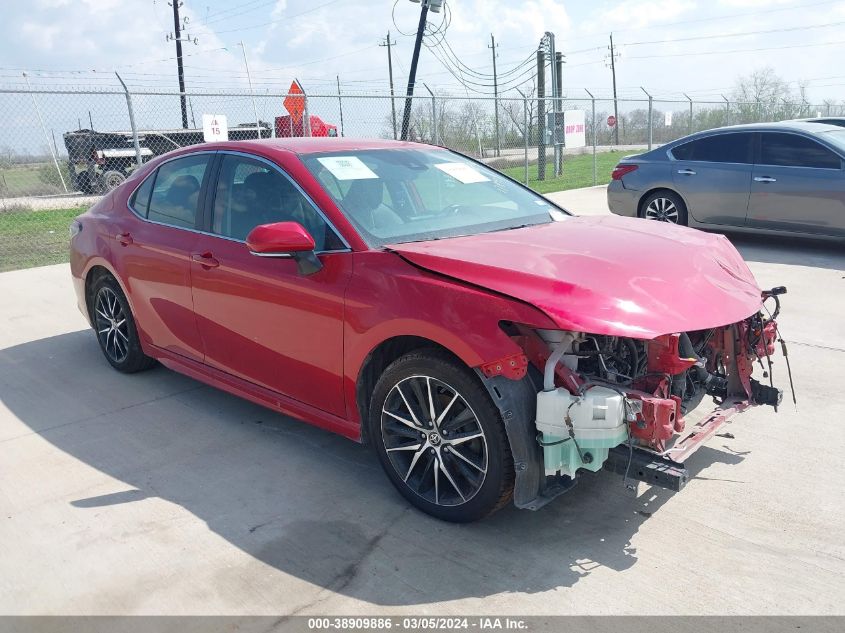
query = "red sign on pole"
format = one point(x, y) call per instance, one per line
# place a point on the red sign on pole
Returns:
point(295, 102)
point(611, 121)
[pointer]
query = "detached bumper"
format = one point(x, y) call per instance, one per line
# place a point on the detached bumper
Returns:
point(666, 469)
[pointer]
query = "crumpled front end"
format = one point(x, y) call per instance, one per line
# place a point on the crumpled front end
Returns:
point(626, 404)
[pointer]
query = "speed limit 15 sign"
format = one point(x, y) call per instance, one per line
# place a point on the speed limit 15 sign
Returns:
point(214, 128)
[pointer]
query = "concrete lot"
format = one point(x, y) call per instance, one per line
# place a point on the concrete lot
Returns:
point(155, 494)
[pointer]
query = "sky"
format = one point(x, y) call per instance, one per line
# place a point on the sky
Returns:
point(670, 47)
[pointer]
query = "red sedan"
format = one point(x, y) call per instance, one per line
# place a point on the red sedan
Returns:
point(489, 345)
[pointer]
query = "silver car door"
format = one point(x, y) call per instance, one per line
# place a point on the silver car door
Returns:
point(713, 176)
point(798, 185)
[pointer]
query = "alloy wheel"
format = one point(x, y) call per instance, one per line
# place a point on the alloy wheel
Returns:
point(434, 440)
point(663, 210)
point(112, 326)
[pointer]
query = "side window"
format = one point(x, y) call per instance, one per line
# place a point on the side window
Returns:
point(719, 148)
point(250, 192)
point(791, 150)
point(140, 201)
point(175, 195)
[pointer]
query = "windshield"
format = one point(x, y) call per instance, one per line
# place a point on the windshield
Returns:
point(406, 195)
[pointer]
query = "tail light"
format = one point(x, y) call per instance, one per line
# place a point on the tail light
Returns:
point(621, 169)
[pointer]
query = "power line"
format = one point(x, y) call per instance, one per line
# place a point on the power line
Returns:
point(281, 19)
point(239, 10)
point(453, 57)
point(724, 35)
point(767, 11)
point(468, 83)
point(738, 50)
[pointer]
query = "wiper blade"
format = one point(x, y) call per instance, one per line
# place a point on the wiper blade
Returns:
point(511, 228)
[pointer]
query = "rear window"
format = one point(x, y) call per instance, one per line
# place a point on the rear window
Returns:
point(792, 150)
point(140, 201)
point(719, 148)
point(175, 196)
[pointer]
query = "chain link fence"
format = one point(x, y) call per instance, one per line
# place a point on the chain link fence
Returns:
point(60, 150)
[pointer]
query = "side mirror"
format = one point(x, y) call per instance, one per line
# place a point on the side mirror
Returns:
point(285, 239)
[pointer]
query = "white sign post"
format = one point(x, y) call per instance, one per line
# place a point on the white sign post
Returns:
point(667, 118)
point(574, 129)
point(215, 128)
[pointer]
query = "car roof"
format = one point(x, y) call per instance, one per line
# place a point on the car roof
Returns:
point(796, 125)
point(317, 145)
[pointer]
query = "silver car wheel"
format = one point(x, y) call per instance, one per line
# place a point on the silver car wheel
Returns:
point(663, 210)
point(434, 440)
point(112, 328)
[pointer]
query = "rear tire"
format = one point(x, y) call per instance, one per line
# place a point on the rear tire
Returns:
point(456, 464)
point(665, 206)
point(83, 182)
point(115, 328)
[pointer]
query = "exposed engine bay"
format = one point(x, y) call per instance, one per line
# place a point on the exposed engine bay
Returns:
point(621, 403)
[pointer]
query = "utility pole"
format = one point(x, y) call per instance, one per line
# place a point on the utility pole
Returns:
point(541, 114)
point(650, 117)
point(549, 49)
point(412, 77)
point(433, 115)
point(492, 46)
point(558, 112)
point(388, 44)
point(249, 79)
point(615, 105)
point(177, 32)
point(44, 130)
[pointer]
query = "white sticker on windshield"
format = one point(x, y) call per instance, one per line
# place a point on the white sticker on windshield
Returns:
point(462, 172)
point(347, 167)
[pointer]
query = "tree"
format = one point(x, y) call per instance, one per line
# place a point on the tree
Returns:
point(763, 95)
point(514, 109)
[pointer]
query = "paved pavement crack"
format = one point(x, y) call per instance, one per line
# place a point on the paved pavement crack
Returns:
point(817, 346)
point(347, 575)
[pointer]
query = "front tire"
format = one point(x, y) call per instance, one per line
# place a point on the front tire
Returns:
point(665, 206)
point(115, 328)
point(112, 179)
point(439, 437)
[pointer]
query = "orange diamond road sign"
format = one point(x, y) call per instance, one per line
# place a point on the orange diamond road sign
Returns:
point(295, 102)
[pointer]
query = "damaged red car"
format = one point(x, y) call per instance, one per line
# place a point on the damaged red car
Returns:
point(490, 346)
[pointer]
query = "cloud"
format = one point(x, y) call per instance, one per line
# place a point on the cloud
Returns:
point(635, 14)
point(341, 39)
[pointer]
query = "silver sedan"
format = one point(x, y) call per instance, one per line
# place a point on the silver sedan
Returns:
point(769, 177)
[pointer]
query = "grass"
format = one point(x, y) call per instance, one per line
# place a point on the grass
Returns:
point(34, 238)
point(33, 180)
point(577, 172)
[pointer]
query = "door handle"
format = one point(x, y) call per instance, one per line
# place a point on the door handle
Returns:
point(206, 260)
point(686, 172)
point(124, 238)
point(764, 179)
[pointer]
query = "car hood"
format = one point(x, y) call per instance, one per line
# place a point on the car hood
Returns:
point(604, 275)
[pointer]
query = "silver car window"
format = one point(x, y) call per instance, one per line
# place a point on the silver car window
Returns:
point(718, 148)
point(792, 150)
